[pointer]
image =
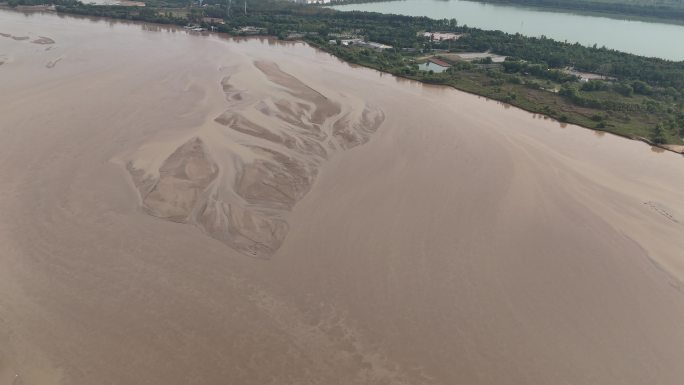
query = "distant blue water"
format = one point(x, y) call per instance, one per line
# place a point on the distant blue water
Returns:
point(638, 37)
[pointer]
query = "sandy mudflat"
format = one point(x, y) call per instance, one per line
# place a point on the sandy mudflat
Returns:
point(180, 209)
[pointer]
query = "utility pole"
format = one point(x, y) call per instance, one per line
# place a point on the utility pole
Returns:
point(228, 5)
point(245, 7)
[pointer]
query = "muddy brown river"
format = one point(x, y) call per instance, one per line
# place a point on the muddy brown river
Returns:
point(178, 208)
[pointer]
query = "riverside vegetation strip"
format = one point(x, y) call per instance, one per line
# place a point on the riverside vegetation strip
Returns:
point(644, 98)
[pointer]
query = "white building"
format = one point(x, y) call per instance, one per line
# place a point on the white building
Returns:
point(311, 1)
point(439, 36)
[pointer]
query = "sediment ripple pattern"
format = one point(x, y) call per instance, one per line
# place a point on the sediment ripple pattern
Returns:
point(240, 194)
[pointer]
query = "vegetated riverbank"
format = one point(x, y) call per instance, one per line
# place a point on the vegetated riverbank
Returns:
point(634, 96)
point(555, 94)
point(669, 11)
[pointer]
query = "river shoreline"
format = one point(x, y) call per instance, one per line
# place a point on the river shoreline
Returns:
point(677, 149)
